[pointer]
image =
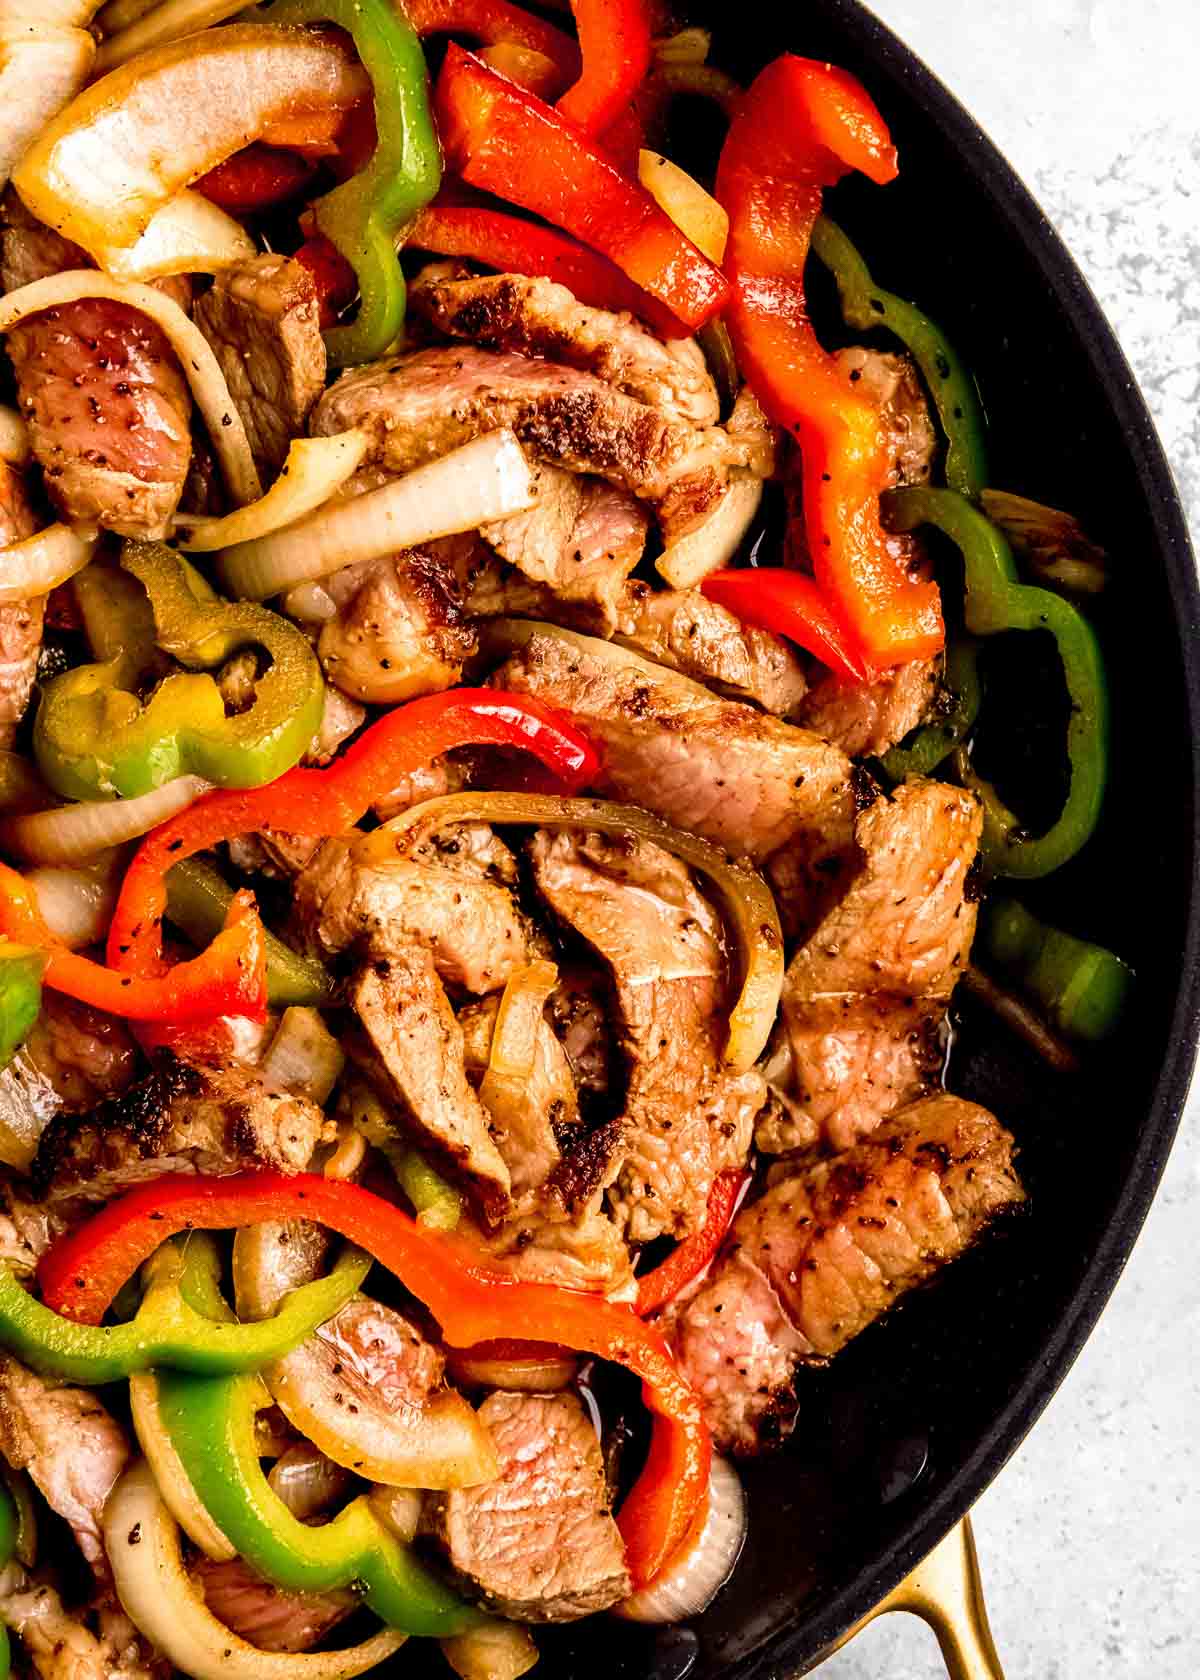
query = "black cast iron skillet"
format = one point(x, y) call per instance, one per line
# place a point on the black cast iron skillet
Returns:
point(900, 1436)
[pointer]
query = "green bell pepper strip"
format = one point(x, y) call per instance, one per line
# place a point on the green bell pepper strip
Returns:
point(211, 1424)
point(21, 969)
point(437, 1205)
point(168, 1329)
point(198, 898)
point(866, 305)
point(93, 738)
point(933, 743)
point(364, 215)
point(1082, 988)
point(996, 600)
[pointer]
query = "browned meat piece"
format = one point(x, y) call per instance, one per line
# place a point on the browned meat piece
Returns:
point(540, 318)
point(893, 384)
point(261, 318)
point(528, 1131)
point(29, 250)
point(684, 1120)
point(419, 407)
point(399, 630)
point(108, 413)
point(823, 1254)
point(579, 1011)
point(418, 1064)
point(55, 1640)
point(864, 998)
point(586, 1252)
point(266, 1615)
point(451, 894)
point(341, 719)
point(706, 764)
point(72, 1058)
point(683, 629)
point(272, 852)
point(20, 621)
point(869, 718)
point(431, 781)
point(179, 1118)
point(73, 1450)
point(537, 1544)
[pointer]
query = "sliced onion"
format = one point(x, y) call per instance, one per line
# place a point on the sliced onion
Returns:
point(119, 14)
point(40, 563)
point(694, 1577)
point(159, 23)
point(306, 1481)
point(42, 66)
point(77, 904)
point(309, 603)
point(200, 366)
point(494, 1650)
point(71, 833)
point(125, 146)
point(189, 235)
point(14, 437)
point(488, 478)
point(714, 542)
point(399, 1510)
point(521, 1367)
point(174, 1487)
point(168, 1608)
point(514, 1043)
point(695, 212)
point(349, 1152)
point(686, 46)
point(749, 905)
point(314, 469)
point(304, 1057)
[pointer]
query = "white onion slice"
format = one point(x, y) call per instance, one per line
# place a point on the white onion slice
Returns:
point(40, 563)
point(164, 1603)
point(693, 1580)
point(304, 1057)
point(314, 469)
point(309, 603)
point(77, 904)
point(494, 1650)
point(159, 23)
point(14, 437)
point(187, 236)
point(200, 367)
point(119, 14)
point(713, 543)
point(171, 1479)
point(72, 833)
point(488, 478)
point(43, 64)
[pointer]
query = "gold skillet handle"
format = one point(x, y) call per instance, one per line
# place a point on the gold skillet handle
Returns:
point(945, 1590)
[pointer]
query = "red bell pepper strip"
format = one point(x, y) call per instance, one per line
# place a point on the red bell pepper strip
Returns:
point(255, 178)
point(332, 800)
point(473, 1303)
point(335, 280)
point(516, 246)
point(229, 978)
point(495, 22)
point(789, 604)
point(614, 36)
point(695, 1253)
point(503, 140)
point(800, 128)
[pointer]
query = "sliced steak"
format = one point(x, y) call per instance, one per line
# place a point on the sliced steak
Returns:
point(399, 629)
point(579, 1010)
point(866, 719)
point(263, 1614)
point(54, 1639)
point(865, 996)
point(585, 1252)
point(539, 318)
point(418, 1065)
point(684, 1120)
point(179, 1118)
point(72, 1448)
point(893, 384)
point(261, 318)
point(706, 764)
point(20, 621)
point(529, 1128)
point(537, 1544)
point(821, 1255)
point(73, 1057)
point(683, 629)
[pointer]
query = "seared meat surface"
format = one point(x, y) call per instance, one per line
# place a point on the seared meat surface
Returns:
point(179, 1118)
point(73, 1057)
point(529, 1128)
point(537, 1544)
point(683, 629)
point(261, 318)
point(822, 1254)
point(865, 996)
point(539, 318)
point(867, 719)
point(264, 1614)
point(584, 1252)
point(399, 629)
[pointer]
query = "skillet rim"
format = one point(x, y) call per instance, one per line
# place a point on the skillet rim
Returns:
point(810, 1636)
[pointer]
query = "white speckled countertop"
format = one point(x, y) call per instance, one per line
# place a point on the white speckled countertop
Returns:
point(1090, 1538)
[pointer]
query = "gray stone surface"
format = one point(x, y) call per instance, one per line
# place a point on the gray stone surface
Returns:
point(1090, 1539)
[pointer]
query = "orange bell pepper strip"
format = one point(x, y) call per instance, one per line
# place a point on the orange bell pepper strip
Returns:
point(800, 127)
point(614, 36)
point(332, 800)
point(789, 604)
point(501, 139)
point(81, 1274)
point(690, 1257)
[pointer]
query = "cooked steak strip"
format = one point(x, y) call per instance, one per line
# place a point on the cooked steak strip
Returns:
point(264, 1614)
point(822, 1254)
point(399, 629)
point(684, 1120)
point(179, 1118)
point(537, 1544)
point(706, 764)
point(20, 621)
point(418, 1065)
point(54, 1639)
point(865, 996)
point(585, 1252)
point(261, 318)
point(539, 318)
point(867, 719)
point(684, 630)
point(72, 1058)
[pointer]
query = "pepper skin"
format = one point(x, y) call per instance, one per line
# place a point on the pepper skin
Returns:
point(1084, 989)
point(21, 970)
point(615, 38)
point(198, 900)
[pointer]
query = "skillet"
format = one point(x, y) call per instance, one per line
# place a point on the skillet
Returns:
point(897, 1439)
